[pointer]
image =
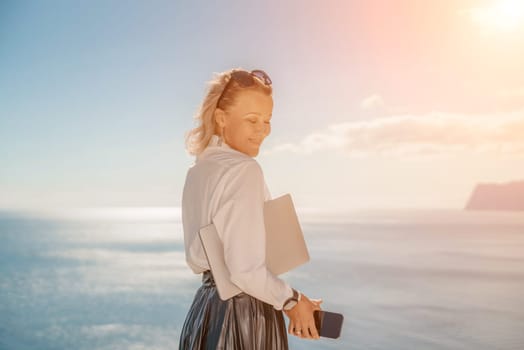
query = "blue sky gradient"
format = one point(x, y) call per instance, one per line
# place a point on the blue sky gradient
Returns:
point(95, 96)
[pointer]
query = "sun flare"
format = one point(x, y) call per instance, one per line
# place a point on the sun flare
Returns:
point(505, 15)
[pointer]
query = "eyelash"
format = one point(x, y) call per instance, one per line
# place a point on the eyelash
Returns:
point(254, 121)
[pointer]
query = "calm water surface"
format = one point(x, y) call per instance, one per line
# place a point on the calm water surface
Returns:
point(405, 279)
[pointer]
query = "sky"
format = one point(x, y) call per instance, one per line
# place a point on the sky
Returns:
point(377, 104)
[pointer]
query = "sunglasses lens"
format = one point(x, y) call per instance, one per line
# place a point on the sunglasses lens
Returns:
point(243, 78)
point(262, 76)
point(246, 78)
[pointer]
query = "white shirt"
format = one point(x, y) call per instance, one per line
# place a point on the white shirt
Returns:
point(227, 187)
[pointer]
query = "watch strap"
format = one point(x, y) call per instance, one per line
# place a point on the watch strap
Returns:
point(294, 297)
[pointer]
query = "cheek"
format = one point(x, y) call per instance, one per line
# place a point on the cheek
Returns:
point(249, 129)
point(244, 132)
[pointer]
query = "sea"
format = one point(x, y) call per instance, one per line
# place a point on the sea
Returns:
point(116, 278)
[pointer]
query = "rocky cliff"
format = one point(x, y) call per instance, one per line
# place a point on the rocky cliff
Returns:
point(506, 196)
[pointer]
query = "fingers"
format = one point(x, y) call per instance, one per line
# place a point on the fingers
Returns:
point(302, 321)
point(313, 329)
point(308, 331)
point(297, 330)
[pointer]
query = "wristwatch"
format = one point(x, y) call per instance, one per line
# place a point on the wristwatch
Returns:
point(291, 302)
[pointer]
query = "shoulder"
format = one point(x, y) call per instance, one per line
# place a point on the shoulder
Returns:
point(245, 179)
point(223, 157)
point(228, 161)
point(245, 170)
point(227, 168)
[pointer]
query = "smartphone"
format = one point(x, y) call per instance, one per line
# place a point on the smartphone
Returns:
point(329, 324)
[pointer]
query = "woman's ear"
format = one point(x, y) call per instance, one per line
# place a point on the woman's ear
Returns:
point(220, 117)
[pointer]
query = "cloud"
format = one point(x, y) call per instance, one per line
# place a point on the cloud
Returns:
point(372, 102)
point(433, 134)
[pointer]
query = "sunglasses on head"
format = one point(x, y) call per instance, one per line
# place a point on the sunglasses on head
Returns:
point(246, 79)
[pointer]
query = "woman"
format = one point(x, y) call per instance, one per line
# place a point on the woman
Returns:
point(226, 187)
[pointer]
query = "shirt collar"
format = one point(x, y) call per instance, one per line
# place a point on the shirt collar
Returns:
point(215, 144)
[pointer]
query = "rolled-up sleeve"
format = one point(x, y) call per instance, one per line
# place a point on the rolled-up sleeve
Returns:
point(240, 224)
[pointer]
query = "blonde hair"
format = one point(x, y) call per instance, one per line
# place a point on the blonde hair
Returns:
point(197, 139)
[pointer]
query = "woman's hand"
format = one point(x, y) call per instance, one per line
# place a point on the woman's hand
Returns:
point(301, 318)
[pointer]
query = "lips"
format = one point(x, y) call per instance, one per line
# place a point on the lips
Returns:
point(256, 142)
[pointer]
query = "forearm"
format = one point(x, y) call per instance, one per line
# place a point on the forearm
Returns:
point(263, 285)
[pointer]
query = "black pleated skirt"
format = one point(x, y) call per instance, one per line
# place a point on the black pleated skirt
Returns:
point(239, 323)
